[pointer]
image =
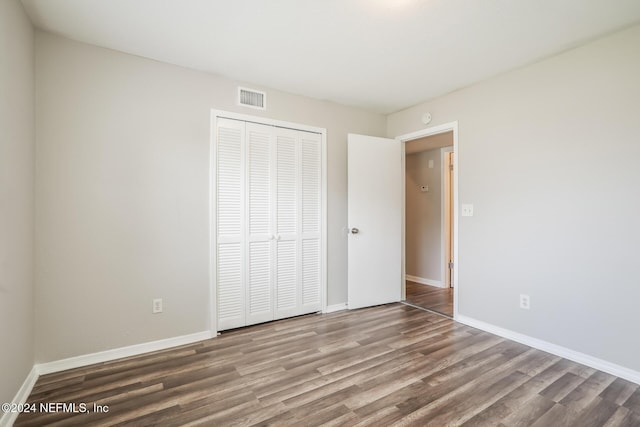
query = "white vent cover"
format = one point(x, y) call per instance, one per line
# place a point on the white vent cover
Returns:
point(252, 98)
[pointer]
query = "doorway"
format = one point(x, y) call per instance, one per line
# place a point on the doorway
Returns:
point(429, 279)
point(376, 228)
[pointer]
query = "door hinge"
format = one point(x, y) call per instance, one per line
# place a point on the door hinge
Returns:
point(450, 167)
point(451, 264)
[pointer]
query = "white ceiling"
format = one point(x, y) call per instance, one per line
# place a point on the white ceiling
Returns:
point(382, 55)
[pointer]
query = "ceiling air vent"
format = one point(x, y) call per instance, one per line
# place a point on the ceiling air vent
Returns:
point(252, 98)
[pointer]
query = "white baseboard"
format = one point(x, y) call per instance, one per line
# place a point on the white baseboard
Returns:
point(567, 353)
point(335, 307)
point(21, 397)
point(117, 353)
point(423, 281)
point(89, 359)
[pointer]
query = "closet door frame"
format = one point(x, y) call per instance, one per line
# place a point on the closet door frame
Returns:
point(220, 114)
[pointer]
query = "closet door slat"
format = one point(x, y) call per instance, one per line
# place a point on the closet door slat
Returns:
point(230, 261)
point(311, 187)
point(287, 194)
point(259, 219)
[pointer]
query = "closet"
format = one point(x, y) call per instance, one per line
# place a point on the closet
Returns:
point(268, 224)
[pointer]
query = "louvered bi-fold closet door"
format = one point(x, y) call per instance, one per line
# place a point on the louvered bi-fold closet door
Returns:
point(310, 218)
point(268, 221)
point(288, 295)
point(229, 262)
point(297, 222)
point(259, 219)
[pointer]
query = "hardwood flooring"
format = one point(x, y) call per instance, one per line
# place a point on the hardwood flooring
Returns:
point(380, 366)
point(431, 297)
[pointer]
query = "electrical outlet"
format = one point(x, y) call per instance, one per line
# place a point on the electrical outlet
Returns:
point(525, 302)
point(467, 209)
point(157, 305)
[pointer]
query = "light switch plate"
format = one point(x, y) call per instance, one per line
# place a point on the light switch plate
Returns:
point(430, 163)
point(467, 210)
point(157, 306)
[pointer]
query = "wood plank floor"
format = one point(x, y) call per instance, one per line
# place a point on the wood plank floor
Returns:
point(380, 366)
point(431, 297)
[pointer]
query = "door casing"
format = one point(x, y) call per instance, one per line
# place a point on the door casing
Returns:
point(446, 212)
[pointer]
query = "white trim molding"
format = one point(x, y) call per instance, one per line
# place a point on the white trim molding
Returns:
point(424, 281)
point(8, 418)
point(118, 353)
point(335, 307)
point(89, 359)
point(567, 353)
point(444, 221)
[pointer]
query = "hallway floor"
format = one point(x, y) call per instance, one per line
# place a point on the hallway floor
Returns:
point(431, 297)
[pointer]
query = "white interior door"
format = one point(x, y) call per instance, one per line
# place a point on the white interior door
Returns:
point(374, 220)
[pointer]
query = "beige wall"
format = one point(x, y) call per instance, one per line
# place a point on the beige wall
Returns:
point(548, 155)
point(423, 213)
point(16, 197)
point(122, 190)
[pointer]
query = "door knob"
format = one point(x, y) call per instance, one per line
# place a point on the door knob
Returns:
point(354, 230)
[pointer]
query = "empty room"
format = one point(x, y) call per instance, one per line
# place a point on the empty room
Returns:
point(319, 212)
